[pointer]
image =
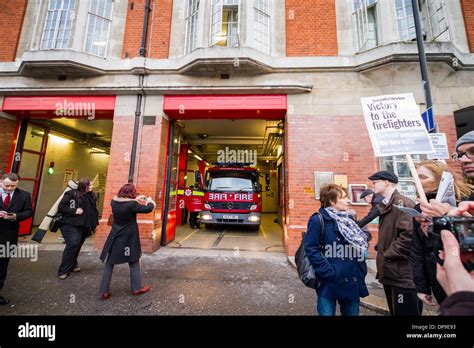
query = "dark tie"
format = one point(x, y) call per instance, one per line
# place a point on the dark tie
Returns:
point(6, 201)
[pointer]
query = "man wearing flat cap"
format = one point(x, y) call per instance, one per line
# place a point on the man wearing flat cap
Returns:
point(394, 270)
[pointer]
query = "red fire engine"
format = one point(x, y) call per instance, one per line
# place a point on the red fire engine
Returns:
point(232, 195)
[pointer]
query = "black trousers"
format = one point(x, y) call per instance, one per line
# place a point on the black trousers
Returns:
point(74, 237)
point(3, 270)
point(402, 301)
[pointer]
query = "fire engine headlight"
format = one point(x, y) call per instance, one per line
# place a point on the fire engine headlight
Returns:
point(207, 206)
point(254, 218)
point(253, 207)
point(206, 217)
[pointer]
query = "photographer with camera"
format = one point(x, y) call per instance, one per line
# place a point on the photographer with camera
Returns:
point(424, 242)
point(452, 275)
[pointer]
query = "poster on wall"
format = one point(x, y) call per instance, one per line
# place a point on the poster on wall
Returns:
point(355, 190)
point(321, 179)
point(69, 174)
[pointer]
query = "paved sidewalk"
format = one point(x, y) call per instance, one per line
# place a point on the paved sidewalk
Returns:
point(183, 281)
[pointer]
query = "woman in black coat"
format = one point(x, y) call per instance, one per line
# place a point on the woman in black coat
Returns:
point(123, 242)
point(80, 217)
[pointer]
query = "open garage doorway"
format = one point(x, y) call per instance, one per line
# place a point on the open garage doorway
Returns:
point(231, 176)
point(50, 150)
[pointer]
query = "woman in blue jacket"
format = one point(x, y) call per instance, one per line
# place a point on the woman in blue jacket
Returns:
point(340, 259)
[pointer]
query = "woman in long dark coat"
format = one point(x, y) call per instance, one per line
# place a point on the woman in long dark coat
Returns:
point(80, 217)
point(123, 242)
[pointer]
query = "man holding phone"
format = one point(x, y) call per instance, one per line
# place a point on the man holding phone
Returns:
point(15, 206)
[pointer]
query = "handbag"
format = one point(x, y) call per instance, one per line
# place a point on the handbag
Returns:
point(55, 222)
point(305, 270)
point(110, 221)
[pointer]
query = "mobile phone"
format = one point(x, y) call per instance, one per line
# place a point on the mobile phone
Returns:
point(10, 214)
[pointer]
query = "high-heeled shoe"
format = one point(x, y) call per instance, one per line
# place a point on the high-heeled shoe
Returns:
point(106, 295)
point(143, 290)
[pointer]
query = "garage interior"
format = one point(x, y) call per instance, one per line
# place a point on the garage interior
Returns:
point(208, 140)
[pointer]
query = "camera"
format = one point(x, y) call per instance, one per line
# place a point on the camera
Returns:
point(463, 230)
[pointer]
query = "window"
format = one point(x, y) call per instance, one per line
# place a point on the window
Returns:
point(57, 27)
point(399, 166)
point(261, 27)
point(98, 27)
point(437, 20)
point(225, 23)
point(191, 25)
point(433, 17)
point(405, 20)
point(366, 23)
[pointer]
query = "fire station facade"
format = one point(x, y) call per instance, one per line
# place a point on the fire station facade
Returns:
point(306, 63)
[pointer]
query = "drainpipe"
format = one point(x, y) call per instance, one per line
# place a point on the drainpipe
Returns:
point(138, 109)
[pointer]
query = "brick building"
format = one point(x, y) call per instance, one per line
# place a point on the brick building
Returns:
point(300, 67)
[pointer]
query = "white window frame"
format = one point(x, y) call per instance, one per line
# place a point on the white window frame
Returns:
point(442, 7)
point(217, 10)
point(360, 9)
point(262, 9)
point(192, 16)
point(69, 13)
point(90, 14)
point(404, 34)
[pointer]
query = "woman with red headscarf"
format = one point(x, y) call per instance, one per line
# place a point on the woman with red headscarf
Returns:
point(123, 242)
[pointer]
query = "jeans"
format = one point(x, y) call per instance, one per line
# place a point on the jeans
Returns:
point(327, 307)
point(74, 237)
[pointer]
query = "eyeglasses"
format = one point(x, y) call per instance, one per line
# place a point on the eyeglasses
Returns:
point(458, 155)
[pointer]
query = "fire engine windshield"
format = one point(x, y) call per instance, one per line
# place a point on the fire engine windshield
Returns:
point(233, 181)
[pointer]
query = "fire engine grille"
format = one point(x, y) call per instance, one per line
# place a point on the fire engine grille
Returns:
point(231, 205)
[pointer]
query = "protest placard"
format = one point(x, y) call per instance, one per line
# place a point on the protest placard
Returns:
point(396, 128)
point(440, 145)
point(395, 125)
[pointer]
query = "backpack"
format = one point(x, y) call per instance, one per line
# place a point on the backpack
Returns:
point(303, 265)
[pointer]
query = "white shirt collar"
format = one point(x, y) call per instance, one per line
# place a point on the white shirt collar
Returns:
point(4, 194)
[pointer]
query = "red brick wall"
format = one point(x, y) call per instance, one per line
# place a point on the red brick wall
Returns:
point(6, 140)
point(11, 21)
point(148, 174)
point(311, 28)
point(159, 29)
point(468, 14)
point(320, 143)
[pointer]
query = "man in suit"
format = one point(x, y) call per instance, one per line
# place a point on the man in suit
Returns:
point(15, 206)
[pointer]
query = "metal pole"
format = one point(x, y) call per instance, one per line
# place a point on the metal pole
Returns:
point(422, 56)
point(138, 110)
point(136, 128)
